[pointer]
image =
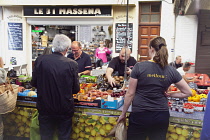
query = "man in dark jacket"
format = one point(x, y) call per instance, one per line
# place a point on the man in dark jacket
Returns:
point(56, 79)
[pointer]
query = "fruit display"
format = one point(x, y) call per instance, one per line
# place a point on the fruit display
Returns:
point(17, 123)
point(183, 132)
point(92, 126)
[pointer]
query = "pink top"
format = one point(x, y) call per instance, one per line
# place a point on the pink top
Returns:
point(101, 53)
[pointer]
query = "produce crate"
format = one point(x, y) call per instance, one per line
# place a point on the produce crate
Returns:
point(111, 104)
point(94, 103)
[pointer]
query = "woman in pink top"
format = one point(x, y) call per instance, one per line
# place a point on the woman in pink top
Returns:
point(102, 51)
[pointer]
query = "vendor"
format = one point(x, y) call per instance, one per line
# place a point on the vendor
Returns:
point(117, 65)
point(83, 59)
point(177, 63)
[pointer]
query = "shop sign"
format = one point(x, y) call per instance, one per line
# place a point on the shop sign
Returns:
point(67, 11)
point(120, 36)
point(15, 36)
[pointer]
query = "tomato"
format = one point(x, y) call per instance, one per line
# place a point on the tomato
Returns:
point(173, 88)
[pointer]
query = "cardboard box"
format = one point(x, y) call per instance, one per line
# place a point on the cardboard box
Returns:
point(111, 104)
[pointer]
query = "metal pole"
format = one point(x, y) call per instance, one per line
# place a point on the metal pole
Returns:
point(126, 42)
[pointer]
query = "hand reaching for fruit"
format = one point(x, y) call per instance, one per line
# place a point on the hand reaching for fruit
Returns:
point(111, 81)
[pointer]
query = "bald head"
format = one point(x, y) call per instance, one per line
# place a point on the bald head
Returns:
point(76, 48)
point(122, 54)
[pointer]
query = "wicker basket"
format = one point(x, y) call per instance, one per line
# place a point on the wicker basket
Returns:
point(8, 98)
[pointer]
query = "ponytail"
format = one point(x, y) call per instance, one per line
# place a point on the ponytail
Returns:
point(161, 56)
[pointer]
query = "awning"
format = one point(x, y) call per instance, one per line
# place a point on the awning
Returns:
point(69, 21)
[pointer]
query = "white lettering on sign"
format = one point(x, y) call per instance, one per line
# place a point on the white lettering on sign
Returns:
point(63, 11)
point(38, 11)
point(48, 11)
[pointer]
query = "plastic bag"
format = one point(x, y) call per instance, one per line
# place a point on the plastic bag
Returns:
point(119, 131)
point(34, 128)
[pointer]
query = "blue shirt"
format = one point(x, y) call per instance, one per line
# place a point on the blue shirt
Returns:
point(205, 133)
point(84, 61)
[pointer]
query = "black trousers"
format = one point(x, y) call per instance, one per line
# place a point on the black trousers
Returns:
point(148, 124)
point(48, 125)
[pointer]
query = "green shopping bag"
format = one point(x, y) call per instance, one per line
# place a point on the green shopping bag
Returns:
point(34, 128)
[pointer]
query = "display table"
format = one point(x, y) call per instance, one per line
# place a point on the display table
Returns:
point(95, 123)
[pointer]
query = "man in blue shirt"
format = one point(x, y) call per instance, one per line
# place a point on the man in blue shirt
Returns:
point(83, 59)
point(205, 133)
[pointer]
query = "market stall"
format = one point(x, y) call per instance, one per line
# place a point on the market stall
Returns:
point(97, 108)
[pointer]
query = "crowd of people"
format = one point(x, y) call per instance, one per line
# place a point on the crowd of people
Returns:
point(56, 78)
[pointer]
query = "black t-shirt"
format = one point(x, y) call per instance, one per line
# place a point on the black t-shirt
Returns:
point(84, 62)
point(153, 81)
point(118, 66)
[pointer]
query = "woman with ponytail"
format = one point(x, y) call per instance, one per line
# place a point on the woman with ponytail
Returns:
point(148, 84)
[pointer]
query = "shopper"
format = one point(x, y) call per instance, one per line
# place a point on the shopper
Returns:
point(147, 86)
point(117, 65)
point(3, 75)
point(177, 63)
point(102, 51)
point(56, 79)
point(83, 59)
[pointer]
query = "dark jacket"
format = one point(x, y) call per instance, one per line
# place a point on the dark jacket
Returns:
point(56, 79)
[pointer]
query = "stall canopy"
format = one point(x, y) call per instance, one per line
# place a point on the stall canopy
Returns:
point(70, 21)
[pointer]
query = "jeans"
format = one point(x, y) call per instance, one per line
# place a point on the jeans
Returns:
point(48, 125)
point(148, 124)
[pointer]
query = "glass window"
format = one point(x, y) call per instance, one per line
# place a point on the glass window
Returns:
point(155, 18)
point(145, 18)
point(145, 8)
point(155, 8)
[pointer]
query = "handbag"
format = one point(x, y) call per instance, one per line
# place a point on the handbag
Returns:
point(8, 97)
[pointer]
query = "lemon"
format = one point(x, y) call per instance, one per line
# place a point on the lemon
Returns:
point(76, 130)
point(74, 136)
point(108, 127)
point(87, 136)
point(91, 138)
point(95, 117)
point(81, 120)
point(99, 138)
point(185, 132)
point(102, 131)
point(112, 120)
point(181, 137)
point(82, 134)
point(93, 132)
point(87, 129)
point(196, 134)
point(178, 130)
point(174, 136)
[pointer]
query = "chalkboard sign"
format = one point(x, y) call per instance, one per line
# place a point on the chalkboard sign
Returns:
point(120, 36)
point(15, 36)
